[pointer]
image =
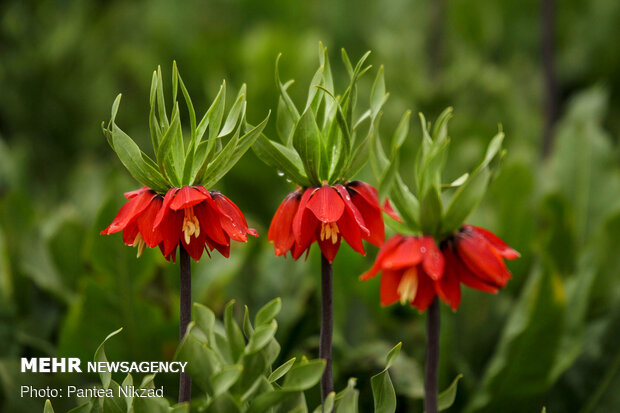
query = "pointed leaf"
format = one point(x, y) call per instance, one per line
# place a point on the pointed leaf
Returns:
point(105, 376)
point(307, 143)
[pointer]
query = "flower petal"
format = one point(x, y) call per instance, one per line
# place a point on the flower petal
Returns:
point(448, 287)
point(350, 231)
point(387, 208)
point(281, 228)
point(407, 254)
point(329, 248)
point(170, 230)
point(304, 222)
point(367, 192)
point(385, 251)
point(231, 217)
point(133, 194)
point(145, 223)
point(165, 207)
point(326, 204)
point(186, 197)
point(433, 262)
point(209, 221)
point(130, 232)
point(196, 245)
point(389, 286)
point(373, 219)
point(129, 212)
point(480, 257)
point(502, 248)
point(425, 293)
point(464, 274)
point(346, 197)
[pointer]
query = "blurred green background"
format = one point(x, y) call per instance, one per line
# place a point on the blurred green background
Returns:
point(552, 338)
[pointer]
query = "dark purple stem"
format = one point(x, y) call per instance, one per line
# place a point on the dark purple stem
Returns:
point(432, 357)
point(185, 382)
point(327, 326)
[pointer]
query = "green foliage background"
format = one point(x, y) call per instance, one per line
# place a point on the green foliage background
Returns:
point(551, 338)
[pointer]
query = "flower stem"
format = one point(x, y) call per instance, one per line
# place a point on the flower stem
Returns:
point(327, 326)
point(185, 382)
point(432, 357)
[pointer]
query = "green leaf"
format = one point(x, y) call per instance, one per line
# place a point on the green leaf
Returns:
point(284, 120)
point(161, 102)
point(281, 371)
point(222, 380)
point(465, 200)
point(377, 93)
point(440, 130)
point(392, 355)
point(154, 127)
point(215, 112)
point(303, 376)
point(328, 405)
point(115, 404)
point(307, 143)
point(100, 356)
point(283, 159)
point(430, 211)
point(248, 330)
point(223, 403)
point(347, 62)
point(136, 162)
point(387, 178)
point(457, 182)
point(261, 337)
point(233, 332)
point(383, 393)
point(167, 141)
point(202, 361)
point(204, 319)
point(346, 400)
point(406, 203)
point(359, 158)
point(446, 398)
point(268, 312)
point(48, 407)
point(400, 134)
point(284, 94)
point(235, 113)
point(83, 408)
point(216, 170)
point(315, 94)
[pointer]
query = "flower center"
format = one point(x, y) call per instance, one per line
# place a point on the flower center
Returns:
point(329, 230)
point(139, 243)
point(408, 286)
point(190, 225)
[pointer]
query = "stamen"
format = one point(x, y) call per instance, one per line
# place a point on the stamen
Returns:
point(191, 226)
point(329, 230)
point(408, 286)
point(139, 243)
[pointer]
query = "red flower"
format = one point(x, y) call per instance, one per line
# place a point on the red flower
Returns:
point(410, 268)
point(326, 215)
point(136, 217)
point(475, 257)
point(192, 216)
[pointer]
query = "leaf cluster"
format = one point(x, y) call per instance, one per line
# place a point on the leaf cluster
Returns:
point(326, 141)
point(214, 145)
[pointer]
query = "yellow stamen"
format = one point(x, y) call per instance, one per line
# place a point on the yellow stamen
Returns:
point(408, 286)
point(139, 243)
point(190, 225)
point(329, 230)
